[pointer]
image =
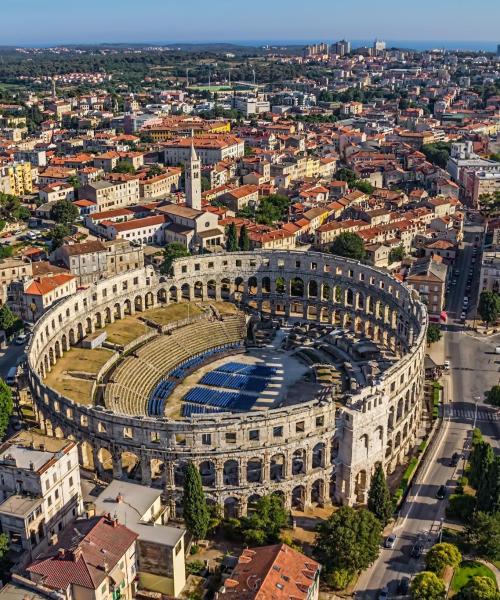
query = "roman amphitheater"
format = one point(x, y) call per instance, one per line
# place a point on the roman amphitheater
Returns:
point(293, 373)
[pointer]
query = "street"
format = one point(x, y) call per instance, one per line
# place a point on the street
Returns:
point(474, 369)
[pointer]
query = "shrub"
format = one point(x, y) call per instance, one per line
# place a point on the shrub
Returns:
point(196, 567)
point(460, 507)
point(339, 579)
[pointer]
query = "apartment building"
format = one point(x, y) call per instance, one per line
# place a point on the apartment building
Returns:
point(210, 149)
point(490, 271)
point(158, 186)
point(94, 559)
point(39, 490)
point(12, 269)
point(57, 191)
point(112, 194)
point(428, 277)
point(19, 176)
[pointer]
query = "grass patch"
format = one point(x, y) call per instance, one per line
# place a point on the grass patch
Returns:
point(468, 569)
point(124, 331)
point(436, 398)
point(171, 313)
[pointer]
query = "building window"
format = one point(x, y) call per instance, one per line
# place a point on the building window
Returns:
point(206, 439)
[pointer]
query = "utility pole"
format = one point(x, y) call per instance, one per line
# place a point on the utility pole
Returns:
point(476, 398)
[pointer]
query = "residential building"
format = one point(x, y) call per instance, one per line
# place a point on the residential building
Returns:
point(31, 297)
point(210, 149)
point(20, 178)
point(490, 271)
point(12, 269)
point(428, 277)
point(112, 194)
point(94, 559)
point(39, 490)
point(241, 197)
point(278, 572)
point(160, 186)
point(57, 191)
point(160, 547)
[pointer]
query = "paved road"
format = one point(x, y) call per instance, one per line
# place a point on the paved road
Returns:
point(474, 368)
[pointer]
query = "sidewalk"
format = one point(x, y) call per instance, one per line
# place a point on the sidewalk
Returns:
point(437, 351)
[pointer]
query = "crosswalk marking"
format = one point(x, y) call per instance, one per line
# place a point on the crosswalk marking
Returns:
point(468, 413)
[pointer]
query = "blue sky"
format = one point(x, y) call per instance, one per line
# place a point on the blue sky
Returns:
point(33, 22)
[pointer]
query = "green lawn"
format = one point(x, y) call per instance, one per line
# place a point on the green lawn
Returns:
point(468, 569)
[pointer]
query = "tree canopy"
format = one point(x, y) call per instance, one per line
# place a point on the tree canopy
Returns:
point(195, 510)
point(243, 240)
point(6, 407)
point(480, 588)
point(64, 212)
point(489, 306)
point(479, 461)
point(379, 497)
point(124, 166)
point(172, 251)
point(57, 235)
point(492, 396)
point(433, 333)
point(9, 322)
point(438, 153)
point(427, 586)
point(349, 245)
point(264, 525)
point(231, 238)
point(488, 491)
point(271, 209)
point(442, 555)
point(349, 540)
point(397, 254)
point(483, 535)
point(11, 209)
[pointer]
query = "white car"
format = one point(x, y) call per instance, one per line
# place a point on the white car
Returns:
point(21, 339)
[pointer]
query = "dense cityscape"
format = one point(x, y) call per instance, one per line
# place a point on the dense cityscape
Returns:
point(249, 321)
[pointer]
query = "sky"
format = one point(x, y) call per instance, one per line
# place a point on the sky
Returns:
point(42, 22)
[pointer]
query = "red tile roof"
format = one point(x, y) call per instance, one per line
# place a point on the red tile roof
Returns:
point(45, 285)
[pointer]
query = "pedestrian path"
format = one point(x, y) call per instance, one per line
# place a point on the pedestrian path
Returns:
point(468, 413)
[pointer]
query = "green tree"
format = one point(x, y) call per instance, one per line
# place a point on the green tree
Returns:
point(57, 235)
point(244, 241)
point(427, 586)
point(195, 510)
point(154, 171)
point(441, 556)
point(349, 245)
point(347, 175)
point(433, 333)
point(7, 319)
point(349, 539)
point(4, 548)
point(6, 251)
point(231, 238)
point(493, 396)
point(489, 306)
point(74, 181)
point(438, 153)
point(64, 212)
point(488, 492)
point(205, 184)
point(271, 209)
point(480, 588)
point(397, 254)
point(265, 523)
point(483, 535)
point(124, 166)
point(172, 251)
point(379, 497)
point(6, 407)
point(364, 186)
point(479, 462)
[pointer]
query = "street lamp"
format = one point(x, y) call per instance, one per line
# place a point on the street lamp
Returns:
point(476, 398)
point(441, 530)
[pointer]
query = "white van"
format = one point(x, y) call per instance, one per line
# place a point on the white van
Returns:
point(11, 376)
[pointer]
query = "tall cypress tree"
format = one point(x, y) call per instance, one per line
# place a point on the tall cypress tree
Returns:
point(195, 510)
point(488, 493)
point(379, 497)
point(244, 241)
point(480, 460)
point(232, 238)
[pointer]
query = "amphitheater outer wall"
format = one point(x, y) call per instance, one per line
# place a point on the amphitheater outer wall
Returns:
point(309, 453)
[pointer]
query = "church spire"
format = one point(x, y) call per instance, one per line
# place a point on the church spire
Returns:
point(193, 178)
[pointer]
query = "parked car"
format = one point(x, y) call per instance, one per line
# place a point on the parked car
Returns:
point(417, 550)
point(390, 540)
point(441, 493)
point(21, 339)
point(454, 459)
point(404, 585)
point(383, 594)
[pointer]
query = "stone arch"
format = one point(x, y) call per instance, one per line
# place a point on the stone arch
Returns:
point(360, 486)
point(231, 508)
point(105, 460)
point(280, 285)
point(185, 291)
point(208, 473)
point(79, 329)
point(86, 455)
point(231, 472)
point(390, 420)
point(239, 285)
point(318, 455)
point(179, 473)
point(127, 307)
point(131, 464)
point(312, 289)
point(88, 325)
point(212, 289)
point(161, 296)
point(318, 492)
point(397, 440)
point(254, 470)
point(225, 289)
point(266, 285)
point(299, 497)
point(198, 290)
point(157, 469)
point(399, 411)
point(57, 349)
point(325, 292)
point(149, 300)
point(172, 293)
point(277, 467)
point(64, 343)
point(297, 287)
point(389, 448)
point(365, 442)
point(252, 503)
point(252, 286)
point(138, 303)
point(118, 310)
point(299, 462)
